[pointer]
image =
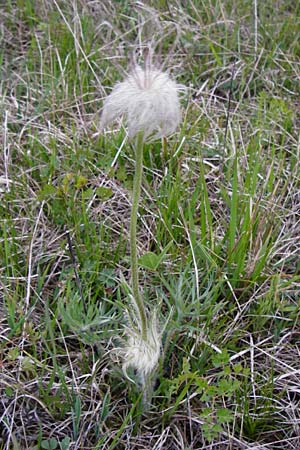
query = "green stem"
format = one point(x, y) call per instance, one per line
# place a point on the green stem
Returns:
point(165, 149)
point(133, 222)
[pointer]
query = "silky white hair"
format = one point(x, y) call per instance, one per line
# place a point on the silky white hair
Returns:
point(149, 100)
point(142, 354)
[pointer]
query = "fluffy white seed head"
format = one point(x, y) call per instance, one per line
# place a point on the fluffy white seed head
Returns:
point(149, 101)
point(142, 354)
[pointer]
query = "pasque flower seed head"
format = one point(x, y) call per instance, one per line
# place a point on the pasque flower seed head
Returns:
point(149, 101)
point(142, 354)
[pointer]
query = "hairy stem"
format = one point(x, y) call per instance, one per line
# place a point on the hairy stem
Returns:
point(133, 222)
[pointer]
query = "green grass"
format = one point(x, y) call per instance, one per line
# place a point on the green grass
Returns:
point(218, 233)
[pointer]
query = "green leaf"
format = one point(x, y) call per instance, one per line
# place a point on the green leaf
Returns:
point(28, 364)
point(219, 359)
point(104, 192)
point(49, 444)
point(13, 353)
point(238, 368)
point(65, 443)
point(47, 191)
point(9, 392)
point(80, 181)
point(234, 207)
point(224, 415)
point(87, 193)
point(150, 261)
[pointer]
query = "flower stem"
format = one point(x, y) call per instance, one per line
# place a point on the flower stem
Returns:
point(133, 223)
